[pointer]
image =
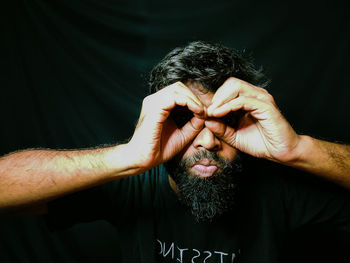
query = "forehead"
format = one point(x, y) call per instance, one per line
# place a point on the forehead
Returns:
point(201, 93)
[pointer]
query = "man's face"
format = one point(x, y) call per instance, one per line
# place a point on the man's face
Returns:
point(204, 173)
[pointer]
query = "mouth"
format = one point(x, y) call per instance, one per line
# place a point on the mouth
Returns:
point(205, 168)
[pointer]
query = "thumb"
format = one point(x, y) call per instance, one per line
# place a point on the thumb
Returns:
point(191, 129)
point(222, 131)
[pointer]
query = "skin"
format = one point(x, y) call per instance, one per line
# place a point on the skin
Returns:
point(34, 177)
point(263, 132)
point(205, 139)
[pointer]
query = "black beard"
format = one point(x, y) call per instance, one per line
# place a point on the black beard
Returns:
point(207, 197)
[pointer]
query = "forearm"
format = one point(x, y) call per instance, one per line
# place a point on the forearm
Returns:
point(329, 160)
point(37, 176)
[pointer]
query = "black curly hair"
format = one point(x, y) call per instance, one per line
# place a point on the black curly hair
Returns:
point(207, 63)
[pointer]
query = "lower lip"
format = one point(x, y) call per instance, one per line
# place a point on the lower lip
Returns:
point(204, 170)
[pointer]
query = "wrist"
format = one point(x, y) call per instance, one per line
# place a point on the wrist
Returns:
point(120, 160)
point(302, 151)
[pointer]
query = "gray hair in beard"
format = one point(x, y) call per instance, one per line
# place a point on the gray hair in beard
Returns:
point(207, 197)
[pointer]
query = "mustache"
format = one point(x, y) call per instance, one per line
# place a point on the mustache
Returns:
point(210, 197)
point(203, 154)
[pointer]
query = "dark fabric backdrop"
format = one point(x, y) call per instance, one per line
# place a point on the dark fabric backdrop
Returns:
point(73, 75)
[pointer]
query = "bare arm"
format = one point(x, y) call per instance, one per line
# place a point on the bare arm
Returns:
point(264, 132)
point(326, 159)
point(33, 177)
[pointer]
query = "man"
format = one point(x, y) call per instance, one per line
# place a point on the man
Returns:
point(216, 199)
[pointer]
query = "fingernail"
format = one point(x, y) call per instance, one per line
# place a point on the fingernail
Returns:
point(215, 111)
point(210, 109)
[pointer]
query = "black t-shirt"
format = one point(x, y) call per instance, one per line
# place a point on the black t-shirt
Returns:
point(155, 226)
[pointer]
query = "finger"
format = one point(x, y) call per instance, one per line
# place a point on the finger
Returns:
point(188, 131)
point(233, 88)
point(159, 105)
point(186, 101)
point(258, 109)
point(182, 96)
point(180, 88)
point(227, 91)
point(194, 126)
point(222, 131)
point(233, 105)
point(168, 101)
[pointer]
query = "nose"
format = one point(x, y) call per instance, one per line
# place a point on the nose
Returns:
point(206, 139)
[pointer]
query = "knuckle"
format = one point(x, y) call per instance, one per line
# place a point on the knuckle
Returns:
point(171, 86)
point(265, 95)
point(232, 82)
point(263, 90)
point(175, 86)
point(146, 100)
point(149, 99)
point(270, 98)
point(231, 79)
point(179, 84)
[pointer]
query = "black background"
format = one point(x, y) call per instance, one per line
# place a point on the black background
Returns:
point(73, 75)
